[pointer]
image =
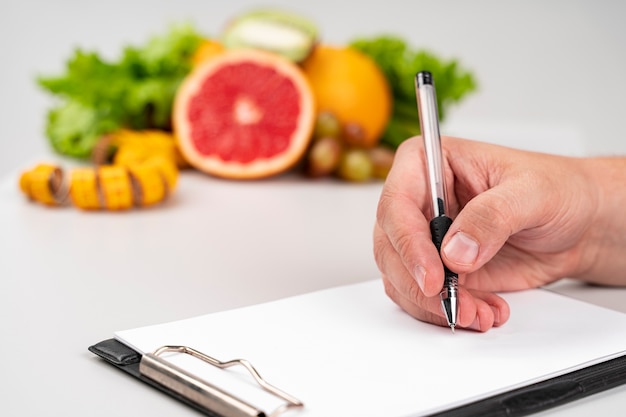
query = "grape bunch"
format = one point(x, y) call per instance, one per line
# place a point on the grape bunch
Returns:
point(339, 150)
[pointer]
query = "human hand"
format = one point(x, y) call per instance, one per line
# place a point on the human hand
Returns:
point(520, 221)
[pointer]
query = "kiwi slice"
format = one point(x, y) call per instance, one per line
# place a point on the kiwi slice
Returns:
point(287, 34)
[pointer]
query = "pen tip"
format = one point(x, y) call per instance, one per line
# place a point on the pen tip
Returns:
point(452, 328)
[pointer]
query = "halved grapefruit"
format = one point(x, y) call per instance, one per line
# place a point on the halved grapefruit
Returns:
point(244, 114)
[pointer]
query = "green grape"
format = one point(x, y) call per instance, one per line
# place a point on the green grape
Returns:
point(355, 165)
point(382, 159)
point(323, 156)
point(327, 125)
point(354, 135)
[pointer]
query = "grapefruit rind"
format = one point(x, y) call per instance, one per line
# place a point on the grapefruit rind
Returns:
point(258, 168)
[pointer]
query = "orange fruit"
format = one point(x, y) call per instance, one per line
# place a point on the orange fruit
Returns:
point(208, 48)
point(350, 84)
point(244, 114)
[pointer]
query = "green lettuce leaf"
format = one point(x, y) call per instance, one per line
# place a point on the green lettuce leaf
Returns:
point(137, 91)
point(400, 64)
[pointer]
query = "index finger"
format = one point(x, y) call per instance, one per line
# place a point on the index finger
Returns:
point(400, 215)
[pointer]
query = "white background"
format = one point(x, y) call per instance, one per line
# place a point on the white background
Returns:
point(549, 66)
point(551, 77)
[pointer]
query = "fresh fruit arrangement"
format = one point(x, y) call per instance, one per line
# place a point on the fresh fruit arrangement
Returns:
point(264, 97)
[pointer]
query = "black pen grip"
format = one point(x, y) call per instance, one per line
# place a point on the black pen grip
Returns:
point(438, 228)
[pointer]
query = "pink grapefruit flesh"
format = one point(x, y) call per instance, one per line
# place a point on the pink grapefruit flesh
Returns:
point(244, 114)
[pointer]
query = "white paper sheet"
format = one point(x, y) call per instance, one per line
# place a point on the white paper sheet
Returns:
point(349, 351)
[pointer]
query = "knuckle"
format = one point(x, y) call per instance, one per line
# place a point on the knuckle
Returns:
point(390, 291)
point(409, 144)
point(404, 245)
point(414, 293)
point(497, 216)
point(383, 208)
point(381, 250)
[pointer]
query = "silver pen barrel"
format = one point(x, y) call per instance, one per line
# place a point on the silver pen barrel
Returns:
point(440, 223)
point(429, 123)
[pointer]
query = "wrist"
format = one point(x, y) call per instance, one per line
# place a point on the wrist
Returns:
point(605, 243)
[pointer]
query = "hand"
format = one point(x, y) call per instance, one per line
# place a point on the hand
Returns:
point(521, 220)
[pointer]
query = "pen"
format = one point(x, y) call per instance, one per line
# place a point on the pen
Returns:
point(440, 223)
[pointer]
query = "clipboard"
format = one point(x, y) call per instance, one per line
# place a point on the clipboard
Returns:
point(520, 402)
point(200, 394)
point(530, 366)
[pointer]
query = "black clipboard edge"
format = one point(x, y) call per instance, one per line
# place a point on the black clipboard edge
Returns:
point(547, 394)
point(127, 359)
point(520, 402)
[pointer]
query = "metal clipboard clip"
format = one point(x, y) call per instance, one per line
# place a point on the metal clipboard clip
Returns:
point(205, 394)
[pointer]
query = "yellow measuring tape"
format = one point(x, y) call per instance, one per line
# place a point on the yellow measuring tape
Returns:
point(144, 173)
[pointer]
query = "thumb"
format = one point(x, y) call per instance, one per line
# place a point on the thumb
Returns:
point(483, 226)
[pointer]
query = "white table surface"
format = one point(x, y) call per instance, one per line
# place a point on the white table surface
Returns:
point(69, 279)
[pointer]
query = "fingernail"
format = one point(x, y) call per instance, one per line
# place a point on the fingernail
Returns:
point(496, 315)
point(475, 324)
point(419, 273)
point(461, 249)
